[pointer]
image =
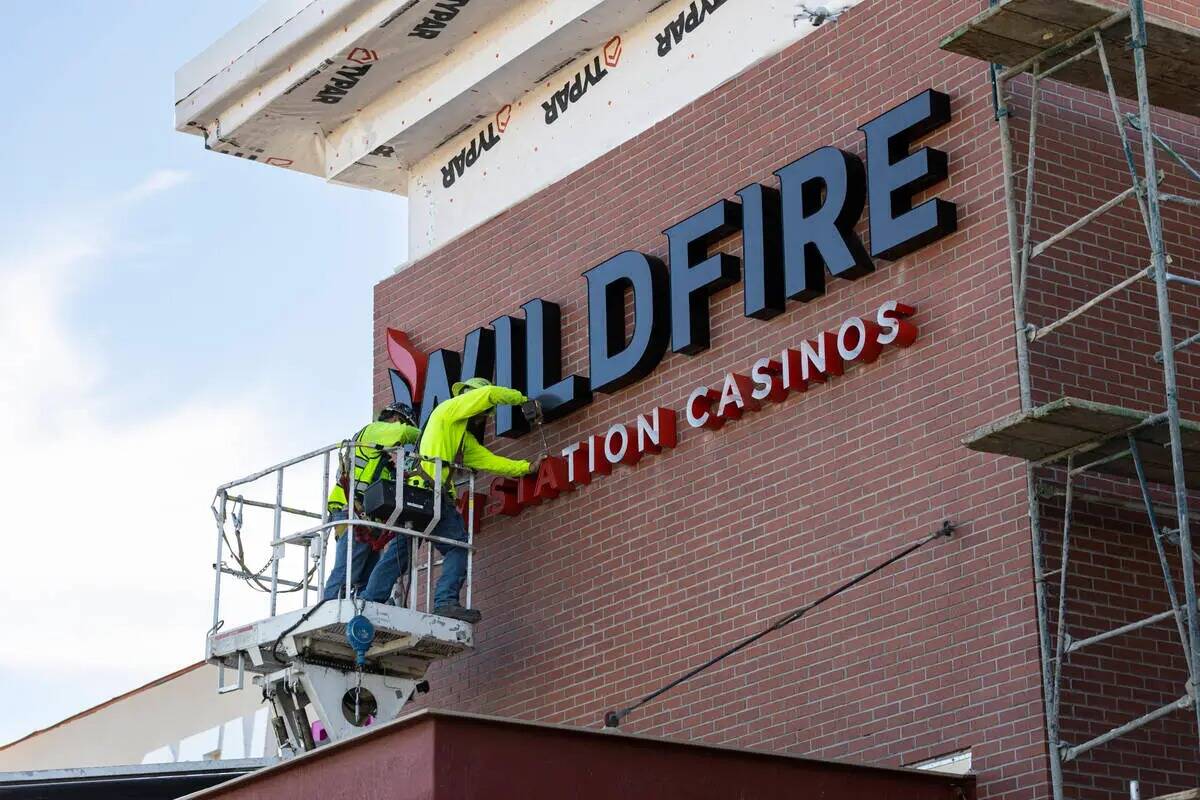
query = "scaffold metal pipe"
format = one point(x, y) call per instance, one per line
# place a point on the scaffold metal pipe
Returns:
point(1145, 622)
point(1072, 753)
point(1082, 54)
point(1049, 489)
point(1166, 334)
point(1114, 103)
point(1035, 100)
point(1064, 571)
point(1084, 220)
point(1099, 462)
point(1090, 304)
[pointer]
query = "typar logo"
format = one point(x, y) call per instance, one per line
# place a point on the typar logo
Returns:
point(361, 55)
point(612, 52)
point(687, 21)
point(347, 77)
point(573, 90)
point(438, 18)
point(409, 366)
point(488, 138)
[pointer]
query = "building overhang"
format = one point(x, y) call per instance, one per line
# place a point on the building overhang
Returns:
point(357, 91)
point(413, 97)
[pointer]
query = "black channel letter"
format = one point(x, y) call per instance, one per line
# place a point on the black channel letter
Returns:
point(445, 367)
point(762, 252)
point(559, 396)
point(897, 228)
point(400, 391)
point(479, 354)
point(823, 196)
point(695, 276)
point(510, 372)
point(615, 361)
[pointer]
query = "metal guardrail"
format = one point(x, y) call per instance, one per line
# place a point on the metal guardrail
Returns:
point(228, 507)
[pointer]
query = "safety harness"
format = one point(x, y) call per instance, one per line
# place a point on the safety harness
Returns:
point(375, 538)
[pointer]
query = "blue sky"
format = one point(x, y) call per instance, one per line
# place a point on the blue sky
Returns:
point(169, 318)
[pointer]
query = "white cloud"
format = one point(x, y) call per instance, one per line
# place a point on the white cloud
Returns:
point(156, 182)
point(40, 364)
point(109, 540)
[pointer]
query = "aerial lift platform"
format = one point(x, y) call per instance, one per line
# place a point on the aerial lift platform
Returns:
point(330, 669)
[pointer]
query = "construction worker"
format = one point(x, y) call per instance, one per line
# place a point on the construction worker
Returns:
point(448, 436)
point(396, 425)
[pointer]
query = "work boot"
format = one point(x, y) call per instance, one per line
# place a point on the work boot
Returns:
point(455, 611)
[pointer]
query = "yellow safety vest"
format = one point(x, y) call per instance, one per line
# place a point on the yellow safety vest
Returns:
point(368, 457)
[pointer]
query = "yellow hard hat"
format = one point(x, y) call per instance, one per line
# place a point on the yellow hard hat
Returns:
point(470, 383)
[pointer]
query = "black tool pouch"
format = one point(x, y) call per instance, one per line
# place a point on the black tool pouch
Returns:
point(379, 501)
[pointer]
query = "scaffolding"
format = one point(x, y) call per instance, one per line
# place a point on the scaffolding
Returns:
point(1121, 53)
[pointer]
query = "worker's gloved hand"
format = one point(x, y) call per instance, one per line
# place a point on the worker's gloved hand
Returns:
point(533, 468)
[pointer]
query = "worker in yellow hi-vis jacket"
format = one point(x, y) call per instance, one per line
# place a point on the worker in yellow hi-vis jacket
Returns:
point(395, 425)
point(447, 436)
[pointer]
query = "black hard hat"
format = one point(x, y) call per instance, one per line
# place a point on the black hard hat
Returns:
point(402, 410)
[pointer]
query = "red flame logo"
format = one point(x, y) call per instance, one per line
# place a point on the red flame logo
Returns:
point(408, 361)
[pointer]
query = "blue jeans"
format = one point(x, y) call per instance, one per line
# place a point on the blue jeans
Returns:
point(364, 561)
point(394, 561)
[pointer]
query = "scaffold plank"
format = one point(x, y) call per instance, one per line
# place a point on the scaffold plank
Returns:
point(1017, 30)
point(1096, 429)
point(1187, 794)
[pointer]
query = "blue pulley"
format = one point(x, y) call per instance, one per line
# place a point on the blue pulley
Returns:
point(360, 633)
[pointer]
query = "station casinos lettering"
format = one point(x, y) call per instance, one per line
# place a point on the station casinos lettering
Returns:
point(793, 238)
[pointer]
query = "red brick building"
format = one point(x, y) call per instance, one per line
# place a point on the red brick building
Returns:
point(607, 592)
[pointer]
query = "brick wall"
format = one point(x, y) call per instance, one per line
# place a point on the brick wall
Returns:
point(595, 599)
